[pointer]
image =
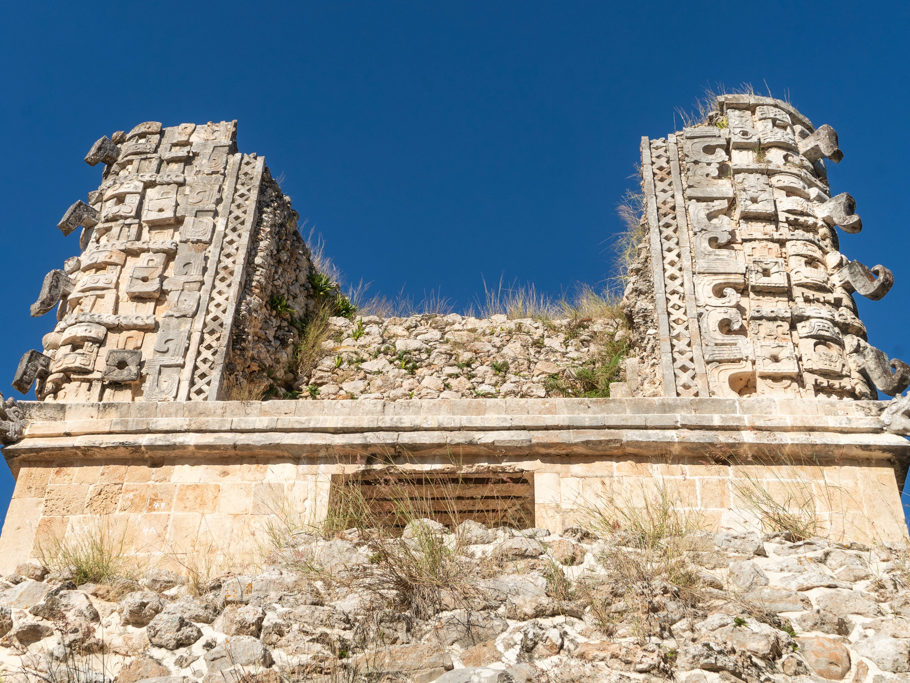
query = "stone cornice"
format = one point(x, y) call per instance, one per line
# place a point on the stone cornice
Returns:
point(818, 429)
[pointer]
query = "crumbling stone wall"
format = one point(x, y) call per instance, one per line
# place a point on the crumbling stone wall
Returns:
point(190, 264)
point(454, 356)
point(639, 307)
point(277, 298)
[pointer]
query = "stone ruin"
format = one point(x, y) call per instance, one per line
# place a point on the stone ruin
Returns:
point(180, 245)
point(741, 273)
point(745, 350)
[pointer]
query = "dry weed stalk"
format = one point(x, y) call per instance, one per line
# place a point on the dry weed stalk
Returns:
point(248, 391)
point(309, 344)
point(77, 664)
point(645, 560)
point(201, 559)
point(94, 555)
point(418, 572)
point(775, 488)
point(631, 211)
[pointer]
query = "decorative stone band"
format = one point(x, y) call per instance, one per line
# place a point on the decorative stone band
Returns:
point(896, 416)
point(682, 365)
point(12, 422)
point(818, 429)
point(223, 282)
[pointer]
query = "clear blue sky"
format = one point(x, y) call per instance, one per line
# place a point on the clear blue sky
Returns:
point(437, 144)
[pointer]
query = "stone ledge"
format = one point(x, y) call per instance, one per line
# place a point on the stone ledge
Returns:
point(351, 424)
point(820, 429)
point(706, 444)
point(38, 412)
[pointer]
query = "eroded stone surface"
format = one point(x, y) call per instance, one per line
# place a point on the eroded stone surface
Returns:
point(512, 617)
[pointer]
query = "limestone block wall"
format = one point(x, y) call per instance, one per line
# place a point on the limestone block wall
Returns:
point(182, 514)
point(191, 482)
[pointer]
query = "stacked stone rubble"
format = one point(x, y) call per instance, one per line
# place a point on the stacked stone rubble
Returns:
point(277, 297)
point(527, 605)
point(453, 356)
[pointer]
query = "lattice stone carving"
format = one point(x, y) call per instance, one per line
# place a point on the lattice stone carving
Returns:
point(681, 371)
point(225, 283)
point(742, 241)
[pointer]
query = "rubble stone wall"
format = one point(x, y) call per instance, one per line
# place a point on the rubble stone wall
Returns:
point(454, 356)
point(526, 605)
point(277, 290)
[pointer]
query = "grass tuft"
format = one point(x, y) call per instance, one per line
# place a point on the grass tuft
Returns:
point(422, 571)
point(775, 490)
point(592, 379)
point(645, 557)
point(95, 555)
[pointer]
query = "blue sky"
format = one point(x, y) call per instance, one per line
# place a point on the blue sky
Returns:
point(438, 145)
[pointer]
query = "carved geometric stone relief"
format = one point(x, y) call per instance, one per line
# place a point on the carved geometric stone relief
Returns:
point(772, 292)
point(147, 308)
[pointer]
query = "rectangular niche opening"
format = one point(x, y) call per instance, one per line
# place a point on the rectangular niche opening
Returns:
point(390, 497)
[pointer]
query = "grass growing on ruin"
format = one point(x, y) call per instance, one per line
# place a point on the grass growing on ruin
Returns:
point(704, 111)
point(69, 663)
point(199, 562)
point(645, 558)
point(94, 555)
point(247, 390)
point(779, 491)
point(313, 333)
point(631, 211)
point(420, 571)
point(401, 305)
point(592, 378)
point(517, 301)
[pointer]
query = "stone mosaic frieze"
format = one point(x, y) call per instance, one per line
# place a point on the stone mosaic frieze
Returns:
point(145, 311)
point(752, 295)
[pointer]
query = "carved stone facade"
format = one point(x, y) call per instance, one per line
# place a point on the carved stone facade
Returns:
point(194, 285)
point(146, 312)
point(752, 294)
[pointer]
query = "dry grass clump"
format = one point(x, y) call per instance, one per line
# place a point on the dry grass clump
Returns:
point(790, 509)
point(645, 560)
point(421, 571)
point(631, 210)
point(94, 555)
point(246, 390)
point(200, 563)
point(776, 489)
point(313, 333)
point(518, 301)
point(75, 665)
point(592, 379)
point(401, 306)
point(704, 108)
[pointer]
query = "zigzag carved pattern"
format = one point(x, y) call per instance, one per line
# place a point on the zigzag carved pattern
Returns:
point(668, 228)
point(219, 301)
